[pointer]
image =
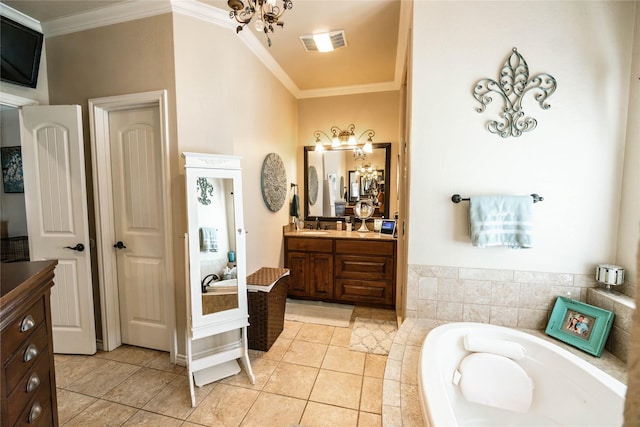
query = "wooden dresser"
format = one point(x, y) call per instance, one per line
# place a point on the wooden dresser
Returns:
point(28, 385)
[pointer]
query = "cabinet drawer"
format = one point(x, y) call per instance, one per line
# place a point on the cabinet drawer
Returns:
point(28, 387)
point(365, 291)
point(364, 267)
point(357, 247)
point(13, 336)
point(40, 407)
point(309, 245)
point(17, 367)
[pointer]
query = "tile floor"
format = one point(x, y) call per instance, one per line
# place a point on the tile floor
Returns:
point(309, 377)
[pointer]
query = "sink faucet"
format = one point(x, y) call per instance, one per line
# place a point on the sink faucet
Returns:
point(317, 223)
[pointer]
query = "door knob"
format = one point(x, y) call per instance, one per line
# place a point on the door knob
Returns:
point(119, 245)
point(79, 247)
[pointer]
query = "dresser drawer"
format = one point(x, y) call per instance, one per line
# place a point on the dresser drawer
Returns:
point(17, 366)
point(38, 411)
point(28, 387)
point(361, 247)
point(309, 245)
point(365, 291)
point(364, 267)
point(22, 328)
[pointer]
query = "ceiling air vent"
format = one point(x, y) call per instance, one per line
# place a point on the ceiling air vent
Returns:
point(336, 39)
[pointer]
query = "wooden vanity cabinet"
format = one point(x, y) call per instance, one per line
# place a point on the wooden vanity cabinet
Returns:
point(353, 271)
point(310, 262)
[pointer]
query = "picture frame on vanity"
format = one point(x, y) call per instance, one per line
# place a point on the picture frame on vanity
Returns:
point(581, 325)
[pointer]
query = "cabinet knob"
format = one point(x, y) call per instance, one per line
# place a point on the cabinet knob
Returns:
point(30, 353)
point(35, 412)
point(33, 383)
point(27, 323)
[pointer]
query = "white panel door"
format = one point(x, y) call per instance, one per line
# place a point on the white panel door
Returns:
point(136, 156)
point(57, 219)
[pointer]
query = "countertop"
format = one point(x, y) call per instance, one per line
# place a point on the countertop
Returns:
point(14, 274)
point(335, 234)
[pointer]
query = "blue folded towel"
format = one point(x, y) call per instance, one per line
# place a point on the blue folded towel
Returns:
point(208, 239)
point(501, 221)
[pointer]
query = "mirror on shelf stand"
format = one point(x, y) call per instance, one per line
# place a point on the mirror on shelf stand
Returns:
point(215, 270)
point(334, 180)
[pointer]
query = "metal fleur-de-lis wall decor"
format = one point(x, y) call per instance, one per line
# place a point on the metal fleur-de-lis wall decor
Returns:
point(204, 187)
point(513, 84)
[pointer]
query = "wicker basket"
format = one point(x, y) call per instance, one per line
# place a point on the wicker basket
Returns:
point(14, 249)
point(266, 309)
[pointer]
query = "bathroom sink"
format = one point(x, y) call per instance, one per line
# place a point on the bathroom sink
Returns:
point(313, 232)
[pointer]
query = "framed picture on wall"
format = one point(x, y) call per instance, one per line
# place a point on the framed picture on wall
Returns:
point(582, 325)
point(12, 178)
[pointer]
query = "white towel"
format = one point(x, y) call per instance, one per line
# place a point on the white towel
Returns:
point(501, 221)
point(208, 239)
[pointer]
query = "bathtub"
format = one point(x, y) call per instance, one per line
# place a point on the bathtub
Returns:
point(566, 390)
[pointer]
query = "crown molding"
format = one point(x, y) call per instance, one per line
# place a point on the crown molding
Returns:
point(15, 100)
point(114, 14)
point(349, 90)
point(20, 17)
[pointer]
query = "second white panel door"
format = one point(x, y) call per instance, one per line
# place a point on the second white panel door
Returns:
point(136, 153)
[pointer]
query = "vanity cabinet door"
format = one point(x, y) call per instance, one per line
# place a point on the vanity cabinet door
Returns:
point(321, 275)
point(311, 275)
point(298, 264)
point(310, 261)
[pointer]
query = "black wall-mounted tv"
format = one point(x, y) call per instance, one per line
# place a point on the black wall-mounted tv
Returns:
point(20, 49)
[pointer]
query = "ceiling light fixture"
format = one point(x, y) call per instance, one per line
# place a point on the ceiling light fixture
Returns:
point(341, 139)
point(324, 42)
point(269, 13)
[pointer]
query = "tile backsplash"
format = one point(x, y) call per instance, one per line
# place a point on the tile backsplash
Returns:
point(513, 298)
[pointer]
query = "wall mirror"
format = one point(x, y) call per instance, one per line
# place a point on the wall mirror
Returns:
point(338, 178)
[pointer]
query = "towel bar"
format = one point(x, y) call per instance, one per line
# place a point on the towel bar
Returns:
point(456, 198)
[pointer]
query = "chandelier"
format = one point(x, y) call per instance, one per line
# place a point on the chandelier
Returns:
point(341, 139)
point(268, 11)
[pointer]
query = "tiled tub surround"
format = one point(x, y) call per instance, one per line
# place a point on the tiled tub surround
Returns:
point(622, 306)
point(512, 298)
point(400, 395)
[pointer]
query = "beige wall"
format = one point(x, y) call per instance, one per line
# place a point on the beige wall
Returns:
point(629, 227)
point(221, 100)
point(119, 59)
point(229, 103)
point(379, 111)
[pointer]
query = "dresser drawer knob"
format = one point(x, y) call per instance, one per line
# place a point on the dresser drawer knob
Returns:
point(35, 412)
point(33, 383)
point(30, 353)
point(27, 323)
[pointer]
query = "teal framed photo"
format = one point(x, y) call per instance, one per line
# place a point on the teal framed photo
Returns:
point(581, 325)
